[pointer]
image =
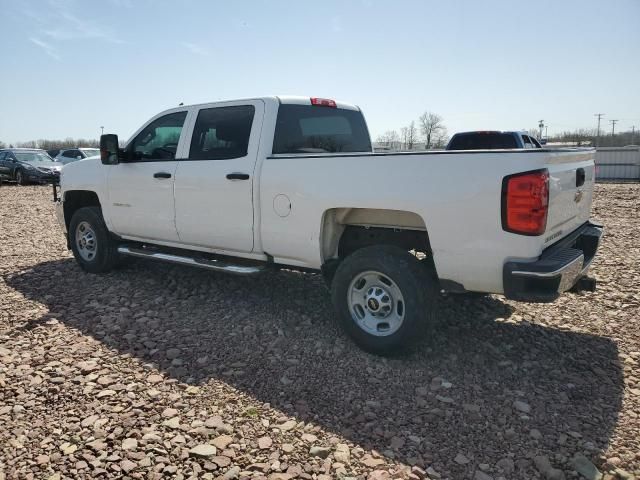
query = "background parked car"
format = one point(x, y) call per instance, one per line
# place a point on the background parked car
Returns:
point(492, 140)
point(72, 154)
point(26, 165)
point(53, 153)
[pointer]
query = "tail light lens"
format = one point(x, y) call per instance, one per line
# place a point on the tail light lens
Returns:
point(525, 202)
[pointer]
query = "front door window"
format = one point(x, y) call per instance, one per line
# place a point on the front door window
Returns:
point(159, 140)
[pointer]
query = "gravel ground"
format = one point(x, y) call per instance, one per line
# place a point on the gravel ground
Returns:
point(159, 371)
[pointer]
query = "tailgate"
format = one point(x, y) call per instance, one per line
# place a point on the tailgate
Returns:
point(571, 178)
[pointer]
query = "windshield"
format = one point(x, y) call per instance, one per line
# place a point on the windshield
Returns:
point(90, 152)
point(31, 157)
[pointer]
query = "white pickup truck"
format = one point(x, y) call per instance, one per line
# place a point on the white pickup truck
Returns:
point(248, 185)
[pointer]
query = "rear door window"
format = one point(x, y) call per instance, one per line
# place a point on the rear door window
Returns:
point(319, 129)
point(222, 133)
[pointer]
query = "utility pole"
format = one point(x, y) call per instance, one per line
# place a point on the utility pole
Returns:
point(546, 132)
point(599, 115)
point(633, 134)
point(541, 125)
point(613, 126)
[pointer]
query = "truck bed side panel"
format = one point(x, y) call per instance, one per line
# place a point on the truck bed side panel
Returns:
point(458, 195)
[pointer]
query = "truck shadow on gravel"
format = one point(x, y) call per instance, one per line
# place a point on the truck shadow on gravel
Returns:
point(274, 338)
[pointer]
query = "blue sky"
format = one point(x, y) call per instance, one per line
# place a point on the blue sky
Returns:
point(70, 66)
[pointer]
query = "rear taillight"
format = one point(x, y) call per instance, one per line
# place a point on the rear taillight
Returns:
point(323, 102)
point(525, 202)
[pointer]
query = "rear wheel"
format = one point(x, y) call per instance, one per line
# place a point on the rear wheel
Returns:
point(19, 177)
point(91, 243)
point(385, 298)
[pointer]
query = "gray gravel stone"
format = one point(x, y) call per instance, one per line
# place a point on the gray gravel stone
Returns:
point(480, 475)
point(506, 465)
point(522, 406)
point(544, 466)
point(232, 473)
point(129, 444)
point(203, 451)
point(322, 452)
point(585, 467)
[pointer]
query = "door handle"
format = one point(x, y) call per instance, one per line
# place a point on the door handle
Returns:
point(161, 175)
point(237, 176)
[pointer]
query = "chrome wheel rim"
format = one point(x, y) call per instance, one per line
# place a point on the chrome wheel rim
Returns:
point(19, 178)
point(376, 303)
point(86, 241)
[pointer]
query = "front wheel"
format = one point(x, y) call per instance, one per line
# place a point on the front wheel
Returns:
point(385, 298)
point(19, 177)
point(91, 243)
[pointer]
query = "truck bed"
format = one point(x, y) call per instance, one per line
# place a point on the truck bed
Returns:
point(456, 193)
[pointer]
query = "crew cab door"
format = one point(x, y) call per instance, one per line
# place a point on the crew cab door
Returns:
point(141, 187)
point(214, 184)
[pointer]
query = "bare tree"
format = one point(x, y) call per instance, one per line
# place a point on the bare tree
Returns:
point(433, 129)
point(533, 132)
point(404, 137)
point(68, 142)
point(3, 145)
point(441, 140)
point(390, 139)
point(409, 135)
point(579, 137)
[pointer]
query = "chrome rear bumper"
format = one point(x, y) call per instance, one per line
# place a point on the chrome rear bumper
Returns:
point(557, 270)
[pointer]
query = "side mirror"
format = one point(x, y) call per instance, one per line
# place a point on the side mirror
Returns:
point(79, 157)
point(109, 149)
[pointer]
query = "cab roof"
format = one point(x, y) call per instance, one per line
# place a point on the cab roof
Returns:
point(280, 99)
point(472, 132)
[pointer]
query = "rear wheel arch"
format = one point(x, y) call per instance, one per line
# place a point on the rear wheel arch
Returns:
point(346, 230)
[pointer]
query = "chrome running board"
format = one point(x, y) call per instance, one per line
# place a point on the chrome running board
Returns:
point(212, 264)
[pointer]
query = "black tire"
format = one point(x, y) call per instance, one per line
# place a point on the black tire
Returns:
point(105, 256)
point(19, 176)
point(414, 279)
